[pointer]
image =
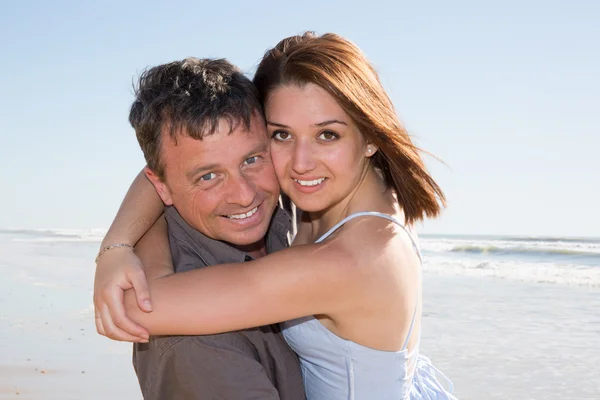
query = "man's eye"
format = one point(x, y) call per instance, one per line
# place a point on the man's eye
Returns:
point(328, 136)
point(251, 160)
point(208, 177)
point(280, 135)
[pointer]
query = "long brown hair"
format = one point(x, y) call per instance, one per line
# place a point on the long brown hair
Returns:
point(339, 66)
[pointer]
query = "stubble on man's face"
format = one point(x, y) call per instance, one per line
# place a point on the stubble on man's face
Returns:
point(223, 185)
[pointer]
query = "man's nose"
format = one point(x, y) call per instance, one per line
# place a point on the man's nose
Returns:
point(303, 160)
point(241, 190)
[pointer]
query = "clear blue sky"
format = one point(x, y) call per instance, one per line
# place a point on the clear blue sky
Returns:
point(507, 94)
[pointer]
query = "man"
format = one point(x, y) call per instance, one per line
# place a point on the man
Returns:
point(200, 126)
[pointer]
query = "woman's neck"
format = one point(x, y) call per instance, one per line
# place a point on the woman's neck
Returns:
point(371, 194)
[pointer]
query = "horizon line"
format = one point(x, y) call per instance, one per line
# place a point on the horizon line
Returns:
point(423, 234)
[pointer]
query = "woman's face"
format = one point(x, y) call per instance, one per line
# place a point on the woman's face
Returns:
point(318, 152)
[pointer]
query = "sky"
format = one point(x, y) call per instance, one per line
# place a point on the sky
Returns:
point(506, 93)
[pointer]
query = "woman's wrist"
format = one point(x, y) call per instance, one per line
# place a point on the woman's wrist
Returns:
point(106, 248)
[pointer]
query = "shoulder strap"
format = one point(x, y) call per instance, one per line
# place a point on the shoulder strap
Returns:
point(414, 243)
point(374, 214)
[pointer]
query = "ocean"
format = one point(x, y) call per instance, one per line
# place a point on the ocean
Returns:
point(557, 260)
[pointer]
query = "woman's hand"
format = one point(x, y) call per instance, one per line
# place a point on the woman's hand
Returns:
point(120, 269)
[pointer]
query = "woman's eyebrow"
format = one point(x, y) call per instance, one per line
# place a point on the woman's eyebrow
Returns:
point(277, 124)
point(331, 121)
point(320, 124)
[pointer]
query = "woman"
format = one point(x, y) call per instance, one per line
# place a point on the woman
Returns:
point(349, 288)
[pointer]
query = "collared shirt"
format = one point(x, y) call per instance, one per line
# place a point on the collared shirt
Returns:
point(247, 364)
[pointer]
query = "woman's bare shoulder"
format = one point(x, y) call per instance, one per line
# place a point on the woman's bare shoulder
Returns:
point(371, 237)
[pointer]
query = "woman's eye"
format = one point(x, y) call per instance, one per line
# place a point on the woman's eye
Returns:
point(251, 160)
point(280, 135)
point(328, 136)
point(208, 177)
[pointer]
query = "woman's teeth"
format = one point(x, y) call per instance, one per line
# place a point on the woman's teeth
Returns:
point(310, 183)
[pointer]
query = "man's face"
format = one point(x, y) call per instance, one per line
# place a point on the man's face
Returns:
point(223, 185)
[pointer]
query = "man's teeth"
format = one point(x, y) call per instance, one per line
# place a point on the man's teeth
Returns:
point(245, 215)
point(310, 183)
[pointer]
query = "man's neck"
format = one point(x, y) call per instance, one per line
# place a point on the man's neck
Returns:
point(255, 250)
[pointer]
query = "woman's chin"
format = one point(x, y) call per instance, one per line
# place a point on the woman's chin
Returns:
point(309, 205)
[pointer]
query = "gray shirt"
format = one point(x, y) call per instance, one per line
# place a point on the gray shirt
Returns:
point(248, 364)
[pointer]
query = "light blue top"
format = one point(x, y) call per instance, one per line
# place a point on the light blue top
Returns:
point(334, 368)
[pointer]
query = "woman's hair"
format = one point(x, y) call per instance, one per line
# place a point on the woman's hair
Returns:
point(338, 66)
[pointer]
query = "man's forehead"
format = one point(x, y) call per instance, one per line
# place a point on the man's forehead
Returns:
point(204, 130)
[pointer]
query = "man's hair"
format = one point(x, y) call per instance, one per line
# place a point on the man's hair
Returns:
point(189, 97)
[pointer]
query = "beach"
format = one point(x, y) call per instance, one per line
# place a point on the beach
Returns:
point(529, 334)
point(498, 339)
point(48, 342)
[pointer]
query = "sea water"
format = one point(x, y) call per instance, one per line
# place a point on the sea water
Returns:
point(558, 260)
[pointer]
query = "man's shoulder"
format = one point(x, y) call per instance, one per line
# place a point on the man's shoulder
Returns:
point(177, 228)
point(188, 247)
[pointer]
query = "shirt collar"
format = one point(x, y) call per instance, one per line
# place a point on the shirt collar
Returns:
point(218, 252)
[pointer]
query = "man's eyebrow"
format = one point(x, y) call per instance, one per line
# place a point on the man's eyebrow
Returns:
point(260, 148)
point(200, 169)
point(320, 124)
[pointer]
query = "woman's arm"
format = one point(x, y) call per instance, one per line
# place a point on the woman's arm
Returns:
point(154, 252)
point(303, 280)
point(119, 269)
point(139, 210)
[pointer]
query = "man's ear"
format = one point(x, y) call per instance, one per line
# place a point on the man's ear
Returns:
point(160, 186)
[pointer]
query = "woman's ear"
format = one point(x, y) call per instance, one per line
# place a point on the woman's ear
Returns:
point(370, 150)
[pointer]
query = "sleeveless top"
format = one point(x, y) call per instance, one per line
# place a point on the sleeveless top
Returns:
point(334, 368)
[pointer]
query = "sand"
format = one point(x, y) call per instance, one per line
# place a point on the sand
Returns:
point(500, 339)
point(496, 339)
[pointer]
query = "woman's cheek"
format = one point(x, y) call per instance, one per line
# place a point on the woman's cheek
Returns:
point(280, 157)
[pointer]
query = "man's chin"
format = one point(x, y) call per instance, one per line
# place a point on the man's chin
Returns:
point(242, 234)
point(246, 232)
point(247, 244)
point(248, 237)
